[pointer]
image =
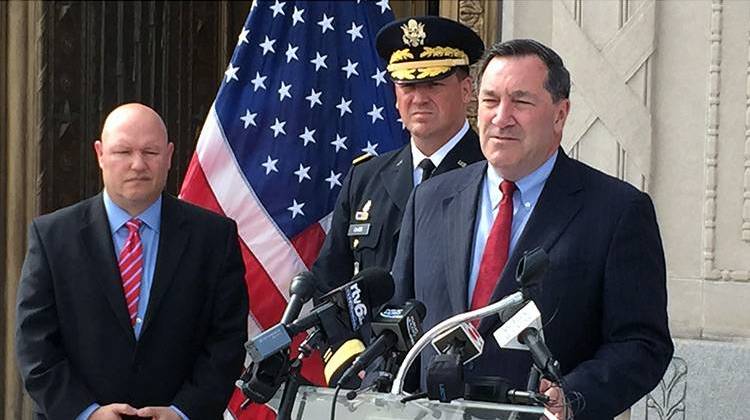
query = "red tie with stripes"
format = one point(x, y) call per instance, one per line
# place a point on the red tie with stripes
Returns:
point(131, 267)
point(495, 250)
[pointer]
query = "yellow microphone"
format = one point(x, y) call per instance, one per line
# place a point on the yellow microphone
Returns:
point(338, 361)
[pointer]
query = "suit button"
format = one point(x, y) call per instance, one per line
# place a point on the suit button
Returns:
point(469, 366)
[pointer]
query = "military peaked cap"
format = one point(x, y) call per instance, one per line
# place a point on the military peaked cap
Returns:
point(426, 48)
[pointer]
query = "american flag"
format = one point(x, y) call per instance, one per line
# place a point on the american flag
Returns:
point(305, 93)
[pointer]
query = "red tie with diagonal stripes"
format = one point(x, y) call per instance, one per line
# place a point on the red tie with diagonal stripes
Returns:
point(131, 267)
point(495, 250)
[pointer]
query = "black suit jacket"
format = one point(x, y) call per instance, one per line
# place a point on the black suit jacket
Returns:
point(386, 181)
point(603, 300)
point(74, 342)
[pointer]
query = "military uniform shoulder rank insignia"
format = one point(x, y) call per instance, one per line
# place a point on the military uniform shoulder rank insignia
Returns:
point(362, 158)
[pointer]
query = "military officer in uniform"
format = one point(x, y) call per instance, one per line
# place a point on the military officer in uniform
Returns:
point(428, 61)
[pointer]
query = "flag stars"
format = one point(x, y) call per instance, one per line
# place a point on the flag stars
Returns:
point(376, 113)
point(278, 8)
point(344, 106)
point(314, 98)
point(243, 37)
point(284, 91)
point(379, 77)
point(302, 173)
point(355, 31)
point(350, 68)
point(326, 23)
point(403, 126)
point(231, 73)
point(278, 127)
point(339, 143)
point(333, 180)
point(319, 61)
point(259, 82)
point(383, 6)
point(249, 119)
point(296, 209)
point(371, 148)
point(267, 45)
point(291, 53)
point(297, 16)
point(270, 165)
point(307, 136)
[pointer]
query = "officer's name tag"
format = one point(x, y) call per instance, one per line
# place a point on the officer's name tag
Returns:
point(359, 229)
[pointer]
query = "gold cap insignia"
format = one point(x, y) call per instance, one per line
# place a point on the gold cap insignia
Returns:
point(414, 34)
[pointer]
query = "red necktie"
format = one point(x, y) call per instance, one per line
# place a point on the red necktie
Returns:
point(131, 267)
point(495, 250)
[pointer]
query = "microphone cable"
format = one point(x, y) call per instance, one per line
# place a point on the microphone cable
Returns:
point(414, 397)
point(333, 403)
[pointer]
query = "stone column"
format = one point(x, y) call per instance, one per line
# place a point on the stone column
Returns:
point(20, 75)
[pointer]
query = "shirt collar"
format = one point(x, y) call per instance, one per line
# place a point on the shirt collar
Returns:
point(529, 187)
point(437, 157)
point(151, 217)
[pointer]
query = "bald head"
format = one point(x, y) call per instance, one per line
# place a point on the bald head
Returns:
point(133, 114)
point(134, 156)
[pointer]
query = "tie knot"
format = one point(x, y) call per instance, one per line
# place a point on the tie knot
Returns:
point(426, 165)
point(133, 225)
point(507, 187)
point(427, 168)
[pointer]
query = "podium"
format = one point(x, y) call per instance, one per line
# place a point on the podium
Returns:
point(314, 403)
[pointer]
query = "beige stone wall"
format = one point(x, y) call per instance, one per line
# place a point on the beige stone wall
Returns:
point(661, 98)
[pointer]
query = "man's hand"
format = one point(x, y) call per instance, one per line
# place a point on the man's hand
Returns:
point(557, 404)
point(158, 413)
point(112, 412)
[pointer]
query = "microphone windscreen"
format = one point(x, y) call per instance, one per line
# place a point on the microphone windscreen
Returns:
point(378, 285)
point(338, 361)
point(420, 308)
point(303, 285)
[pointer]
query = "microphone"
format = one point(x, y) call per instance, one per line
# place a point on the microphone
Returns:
point(397, 328)
point(338, 361)
point(540, 354)
point(497, 389)
point(341, 311)
point(300, 291)
point(463, 337)
point(523, 331)
point(369, 289)
point(261, 380)
point(530, 269)
point(445, 375)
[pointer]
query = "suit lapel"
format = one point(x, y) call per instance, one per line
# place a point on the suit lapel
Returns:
point(461, 210)
point(398, 178)
point(557, 206)
point(173, 239)
point(96, 239)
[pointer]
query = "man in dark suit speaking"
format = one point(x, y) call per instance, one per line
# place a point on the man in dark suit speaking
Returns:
point(132, 302)
point(603, 301)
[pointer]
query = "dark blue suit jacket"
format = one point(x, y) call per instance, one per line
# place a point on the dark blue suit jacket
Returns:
point(74, 342)
point(603, 300)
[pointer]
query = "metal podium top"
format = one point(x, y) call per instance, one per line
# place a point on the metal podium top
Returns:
point(315, 404)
